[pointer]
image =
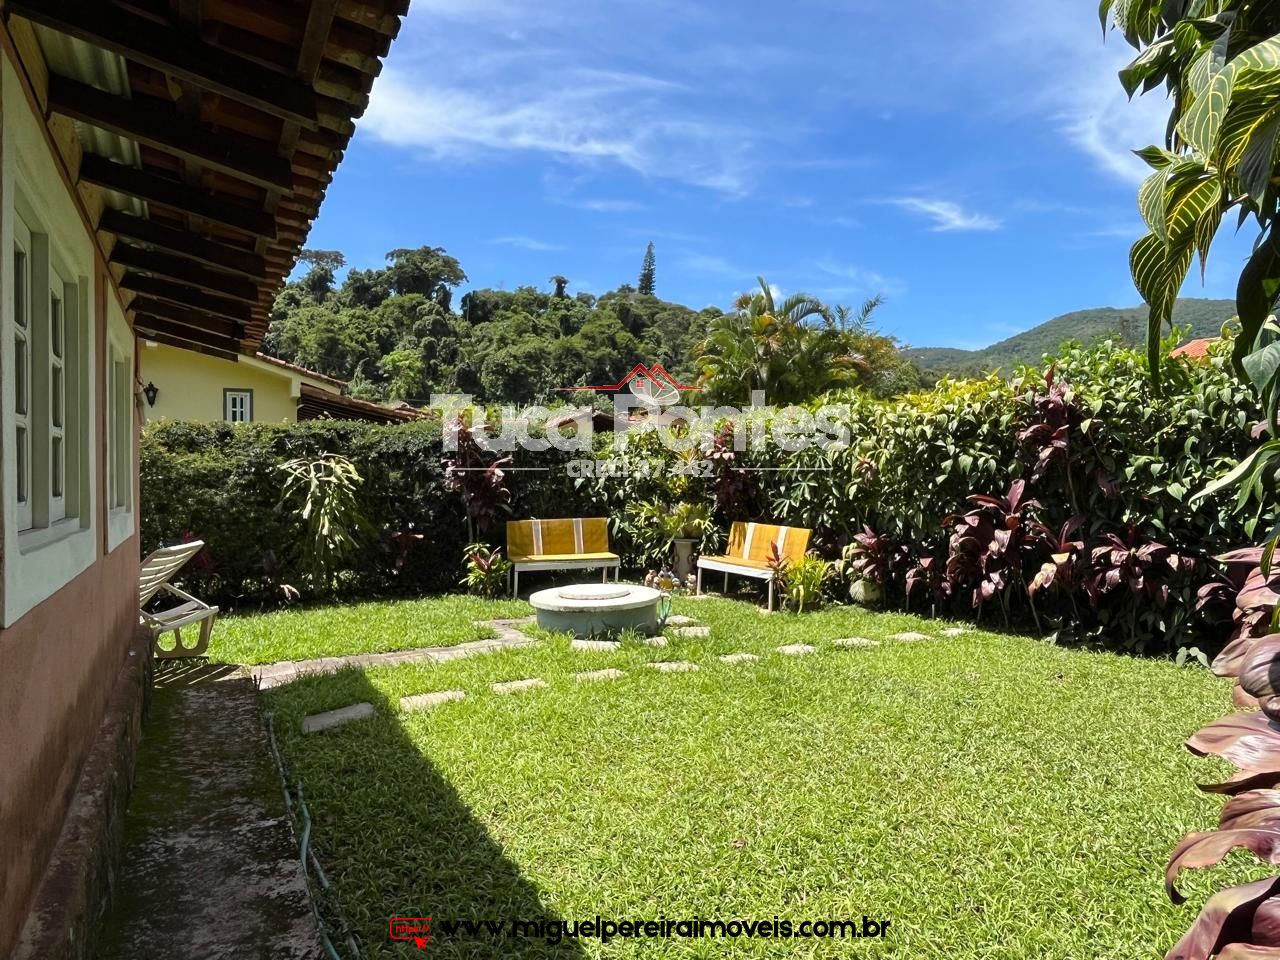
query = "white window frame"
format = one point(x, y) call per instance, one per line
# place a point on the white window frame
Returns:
point(21, 333)
point(120, 422)
point(42, 555)
point(61, 389)
point(229, 397)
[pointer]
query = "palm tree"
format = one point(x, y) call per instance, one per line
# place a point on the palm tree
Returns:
point(764, 345)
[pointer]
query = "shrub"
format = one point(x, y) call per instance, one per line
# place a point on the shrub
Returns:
point(1103, 473)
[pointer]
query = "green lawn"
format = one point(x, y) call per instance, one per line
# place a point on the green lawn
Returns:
point(991, 796)
point(304, 633)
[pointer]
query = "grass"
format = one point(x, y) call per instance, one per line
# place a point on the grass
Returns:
point(305, 633)
point(991, 796)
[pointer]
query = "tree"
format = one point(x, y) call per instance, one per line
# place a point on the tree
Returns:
point(764, 345)
point(560, 282)
point(425, 270)
point(647, 272)
point(318, 282)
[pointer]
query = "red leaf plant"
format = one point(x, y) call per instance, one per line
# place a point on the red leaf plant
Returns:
point(1242, 922)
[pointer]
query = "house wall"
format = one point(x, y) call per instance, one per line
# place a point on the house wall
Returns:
point(191, 386)
point(70, 601)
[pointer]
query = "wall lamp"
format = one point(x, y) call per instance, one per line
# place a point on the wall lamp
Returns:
point(151, 391)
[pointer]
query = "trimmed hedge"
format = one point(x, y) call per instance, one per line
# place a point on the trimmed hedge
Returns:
point(1132, 460)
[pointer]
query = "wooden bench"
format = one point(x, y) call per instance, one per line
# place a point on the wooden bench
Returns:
point(580, 543)
point(750, 546)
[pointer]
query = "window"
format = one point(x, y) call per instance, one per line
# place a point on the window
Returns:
point(50, 384)
point(237, 406)
point(22, 369)
point(119, 432)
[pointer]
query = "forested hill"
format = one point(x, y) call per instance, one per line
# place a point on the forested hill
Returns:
point(397, 333)
point(1204, 318)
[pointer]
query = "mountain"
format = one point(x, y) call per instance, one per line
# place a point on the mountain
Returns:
point(1201, 318)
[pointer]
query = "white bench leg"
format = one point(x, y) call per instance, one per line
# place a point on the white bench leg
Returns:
point(699, 590)
point(771, 594)
point(726, 583)
point(604, 574)
point(515, 583)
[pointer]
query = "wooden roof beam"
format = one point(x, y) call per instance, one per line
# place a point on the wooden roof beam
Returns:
point(177, 52)
point(208, 252)
point(172, 313)
point(199, 342)
point(187, 296)
point(170, 193)
point(160, 125)
point(176, 267)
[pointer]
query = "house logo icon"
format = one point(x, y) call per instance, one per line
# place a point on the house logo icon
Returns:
point(650, 384)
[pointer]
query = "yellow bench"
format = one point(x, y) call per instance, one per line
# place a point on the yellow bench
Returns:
point(572, 544)
point(750, 546)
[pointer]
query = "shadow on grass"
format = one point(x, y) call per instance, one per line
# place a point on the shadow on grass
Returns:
point(397, 840)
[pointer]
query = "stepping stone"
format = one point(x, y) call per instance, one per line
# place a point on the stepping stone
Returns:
point(680, 620)
point(797, 650)
point(336, 718)
point(519, 686)
point(655, 641)
point(674, 666)
point(739, 658)
point(596, 646)
point(423, 701)
point(855, 642)
point(696, 632)
point(591, 675)
point(954, 632)
point(910, 636)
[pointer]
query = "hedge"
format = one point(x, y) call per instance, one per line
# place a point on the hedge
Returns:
point(1130, 463)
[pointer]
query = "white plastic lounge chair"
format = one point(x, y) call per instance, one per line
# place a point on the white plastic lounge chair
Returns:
point(154, 579)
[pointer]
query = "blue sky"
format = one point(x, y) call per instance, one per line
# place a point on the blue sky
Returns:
point(976, 169)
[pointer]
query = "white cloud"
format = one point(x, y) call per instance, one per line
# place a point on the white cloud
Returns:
point(602, 205)
point(527, 243)
point(947, 216)
point(579, 115)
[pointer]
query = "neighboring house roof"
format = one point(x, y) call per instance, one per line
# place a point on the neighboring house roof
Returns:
point(230, 119)
point(285, 365)
point(1195, 349)
point(316, 404)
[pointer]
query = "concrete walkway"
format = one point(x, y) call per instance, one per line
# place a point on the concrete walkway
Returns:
point(508, 636)
point(210, 868)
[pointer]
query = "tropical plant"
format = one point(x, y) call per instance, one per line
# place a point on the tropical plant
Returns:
point(802, 582)
point(872, 559)
point(989, 544)
point(479, 478)
point(791, 351)
point(1220, 61)
point(487, 570)
point(322, 495)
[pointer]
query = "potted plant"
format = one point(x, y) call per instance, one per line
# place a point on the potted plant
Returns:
point(663, 529)
point(686, 524)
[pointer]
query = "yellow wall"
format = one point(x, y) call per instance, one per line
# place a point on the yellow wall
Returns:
point(191, 385)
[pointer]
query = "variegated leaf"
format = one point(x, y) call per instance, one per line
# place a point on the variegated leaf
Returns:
point(1251, 809)
point(1210, 847)
point(1231, 909)
point(1249, 741)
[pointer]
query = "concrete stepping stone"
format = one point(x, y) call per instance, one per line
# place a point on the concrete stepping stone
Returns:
point(336, 718)
point(658, 642)
point(855, 642)
point(592, 675)
point(424, 701)
point(739, 658)
point(595, 646)
point(519, 686)
point(680, 620)
point(797, 650)
point(910, 636)
point(954, 632)
point(693, 632)
point(674, 666)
